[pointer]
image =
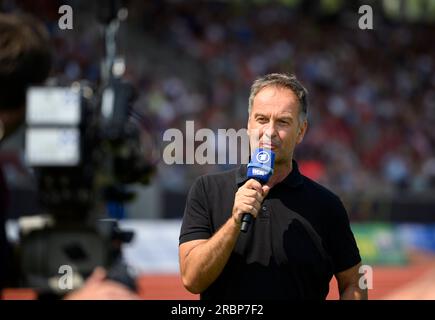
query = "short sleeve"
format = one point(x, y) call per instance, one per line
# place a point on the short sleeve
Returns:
point(196, 218)
point(341, 243)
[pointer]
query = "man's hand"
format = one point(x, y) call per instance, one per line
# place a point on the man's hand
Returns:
point(348, 284)
point(97, 287)
point(248, 199)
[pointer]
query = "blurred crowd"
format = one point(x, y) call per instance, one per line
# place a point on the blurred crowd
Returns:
point(371, 92)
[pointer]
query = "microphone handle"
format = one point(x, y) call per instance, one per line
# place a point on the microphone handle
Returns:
point(247, 217)
point(246, 222)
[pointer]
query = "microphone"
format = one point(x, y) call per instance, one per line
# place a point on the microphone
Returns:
point(260, 168)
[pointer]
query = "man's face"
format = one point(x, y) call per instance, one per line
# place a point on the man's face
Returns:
point(274, 122)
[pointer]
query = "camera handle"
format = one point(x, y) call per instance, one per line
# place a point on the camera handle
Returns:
point(113, 14)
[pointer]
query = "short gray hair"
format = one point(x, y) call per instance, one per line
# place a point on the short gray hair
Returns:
point(288, 81)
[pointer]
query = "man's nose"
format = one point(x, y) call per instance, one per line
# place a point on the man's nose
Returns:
point(270, 131)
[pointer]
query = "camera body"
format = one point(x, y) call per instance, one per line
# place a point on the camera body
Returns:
point(84, 145)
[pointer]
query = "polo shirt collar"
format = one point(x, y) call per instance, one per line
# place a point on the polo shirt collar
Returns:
point(293, 180)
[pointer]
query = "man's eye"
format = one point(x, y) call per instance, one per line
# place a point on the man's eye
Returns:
point(262, 120)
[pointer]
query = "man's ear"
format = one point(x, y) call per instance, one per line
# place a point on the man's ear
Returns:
point(301, 131)
point(11, 120)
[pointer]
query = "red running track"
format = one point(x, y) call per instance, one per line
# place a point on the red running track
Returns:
point(414, 281)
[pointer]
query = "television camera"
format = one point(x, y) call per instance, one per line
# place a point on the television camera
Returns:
point(85, 143)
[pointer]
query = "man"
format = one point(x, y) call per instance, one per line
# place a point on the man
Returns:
point(25, 60)
point(300, 236)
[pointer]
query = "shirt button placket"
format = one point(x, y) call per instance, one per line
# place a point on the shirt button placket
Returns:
point(264, 212)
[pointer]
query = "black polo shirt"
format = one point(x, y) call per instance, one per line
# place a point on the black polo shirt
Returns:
point(300, 238)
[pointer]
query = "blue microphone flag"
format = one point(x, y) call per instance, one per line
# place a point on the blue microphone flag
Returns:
point(261, 165)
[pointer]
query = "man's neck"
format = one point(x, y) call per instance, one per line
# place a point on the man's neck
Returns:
point(280, 172)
